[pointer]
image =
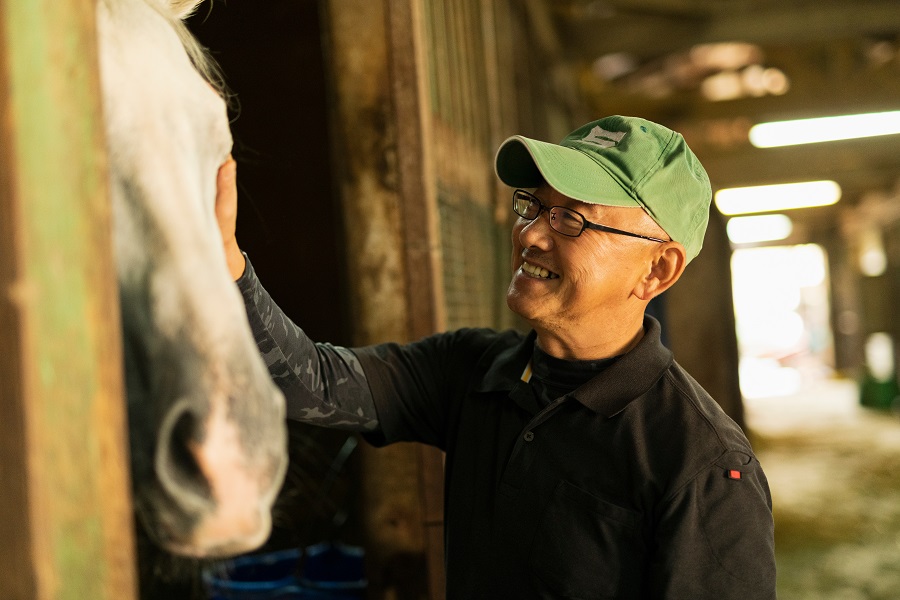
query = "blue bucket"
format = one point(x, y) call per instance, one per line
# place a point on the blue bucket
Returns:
point(334, 571)
point(325, 572)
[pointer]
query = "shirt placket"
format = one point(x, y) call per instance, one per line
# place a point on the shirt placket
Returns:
point(523, 452)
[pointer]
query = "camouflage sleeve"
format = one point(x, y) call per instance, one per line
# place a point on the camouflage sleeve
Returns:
point(323, 384)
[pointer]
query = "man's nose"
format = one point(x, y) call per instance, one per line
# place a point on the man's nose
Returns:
point(537, 232)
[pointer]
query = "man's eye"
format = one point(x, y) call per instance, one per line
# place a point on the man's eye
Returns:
point(570, 219)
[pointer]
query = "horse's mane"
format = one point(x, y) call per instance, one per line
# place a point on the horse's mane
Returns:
point(174, 11)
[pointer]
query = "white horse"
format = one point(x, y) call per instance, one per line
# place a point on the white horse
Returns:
point(208, 437)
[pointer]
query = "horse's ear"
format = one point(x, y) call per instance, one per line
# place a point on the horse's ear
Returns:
point(183, 8)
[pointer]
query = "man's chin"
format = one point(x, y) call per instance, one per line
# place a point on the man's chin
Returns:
point(520, 305)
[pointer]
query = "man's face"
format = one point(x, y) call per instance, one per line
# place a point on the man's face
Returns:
point(562, 282)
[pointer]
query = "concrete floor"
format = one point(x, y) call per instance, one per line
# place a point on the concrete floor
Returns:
point(834, 471)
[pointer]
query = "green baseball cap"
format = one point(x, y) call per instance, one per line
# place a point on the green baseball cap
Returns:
point(619, 161)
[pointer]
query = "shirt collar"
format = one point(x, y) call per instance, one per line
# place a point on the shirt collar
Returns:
point(611, 390)
point(506, 368)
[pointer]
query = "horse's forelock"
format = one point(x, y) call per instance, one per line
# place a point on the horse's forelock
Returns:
point(175, 11)
point(183, 8)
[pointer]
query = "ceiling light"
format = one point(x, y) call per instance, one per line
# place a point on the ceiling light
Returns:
point(824, 129)
point(753, 80)
point(772, 198)
point(726, 55)
point(722, 86)
point(753, 230)
point(615, 65)
point(776, 82)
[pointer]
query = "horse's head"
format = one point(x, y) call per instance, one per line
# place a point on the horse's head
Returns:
point(208, 438)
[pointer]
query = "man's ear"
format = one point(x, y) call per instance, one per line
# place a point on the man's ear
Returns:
point(667, 264)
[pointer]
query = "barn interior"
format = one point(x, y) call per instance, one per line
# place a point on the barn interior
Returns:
point(790, 326)
point(364, 134)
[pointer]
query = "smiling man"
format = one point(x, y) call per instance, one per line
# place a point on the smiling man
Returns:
point(581, 460)
point(592, 289)
point(558, 283)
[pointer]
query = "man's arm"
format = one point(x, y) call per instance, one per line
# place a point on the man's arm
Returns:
point(323, 384)
point(715, 536)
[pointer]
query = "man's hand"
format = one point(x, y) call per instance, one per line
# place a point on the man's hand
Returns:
point(226, 215)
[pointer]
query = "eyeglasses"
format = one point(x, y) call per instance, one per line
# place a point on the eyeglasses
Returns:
point(564, 220)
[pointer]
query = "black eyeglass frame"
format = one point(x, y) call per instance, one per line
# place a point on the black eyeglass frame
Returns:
point(585, 224)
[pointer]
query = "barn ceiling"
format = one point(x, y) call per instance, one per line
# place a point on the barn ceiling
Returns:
point(713, 68)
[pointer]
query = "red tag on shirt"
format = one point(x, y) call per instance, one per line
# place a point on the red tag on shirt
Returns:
point(733, 474)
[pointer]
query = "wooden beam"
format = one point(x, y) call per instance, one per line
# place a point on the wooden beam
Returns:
point(66, 529)
point(825, 79)
point(648, 31)
point(786, 24)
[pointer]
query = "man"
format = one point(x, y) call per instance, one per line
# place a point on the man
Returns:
point(581, 460)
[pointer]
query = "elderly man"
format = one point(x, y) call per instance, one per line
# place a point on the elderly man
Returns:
point(581, 460)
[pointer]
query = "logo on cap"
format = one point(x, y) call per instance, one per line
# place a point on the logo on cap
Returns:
point(603, 138)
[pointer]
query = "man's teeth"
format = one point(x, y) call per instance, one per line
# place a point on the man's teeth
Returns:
point(536, 271)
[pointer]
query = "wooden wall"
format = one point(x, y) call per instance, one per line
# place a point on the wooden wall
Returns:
point(66, 525)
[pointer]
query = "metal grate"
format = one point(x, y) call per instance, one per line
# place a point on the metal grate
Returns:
point(469, 267)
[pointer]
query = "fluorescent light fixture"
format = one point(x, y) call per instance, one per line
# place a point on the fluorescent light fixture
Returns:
point(773, 198)
point(824, 129)
point(765, 228)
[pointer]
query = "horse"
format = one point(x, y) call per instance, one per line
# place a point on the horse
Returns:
point(208, 437)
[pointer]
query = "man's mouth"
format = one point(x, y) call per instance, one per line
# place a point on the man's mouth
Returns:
point(539, 272)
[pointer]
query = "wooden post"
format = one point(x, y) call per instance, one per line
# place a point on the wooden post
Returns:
point(700, 311)
point(418, 190)
point(380, 131)
point(66, 525)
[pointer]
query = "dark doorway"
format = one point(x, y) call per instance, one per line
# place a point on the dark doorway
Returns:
point(288, 217)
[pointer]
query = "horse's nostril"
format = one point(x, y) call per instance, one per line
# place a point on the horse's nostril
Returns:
point(183, 436)
point(177, 467)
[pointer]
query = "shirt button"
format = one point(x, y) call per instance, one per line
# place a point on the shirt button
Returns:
point(529, 435)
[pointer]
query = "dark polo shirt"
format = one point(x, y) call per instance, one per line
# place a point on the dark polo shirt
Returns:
point(635, 485)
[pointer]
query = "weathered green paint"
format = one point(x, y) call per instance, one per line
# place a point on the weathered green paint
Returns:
point(58, 282)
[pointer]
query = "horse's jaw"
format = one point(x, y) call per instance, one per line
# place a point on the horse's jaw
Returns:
point(207, 425)
point(207, 435)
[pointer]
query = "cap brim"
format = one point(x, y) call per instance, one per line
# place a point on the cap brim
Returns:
point(526, 163)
